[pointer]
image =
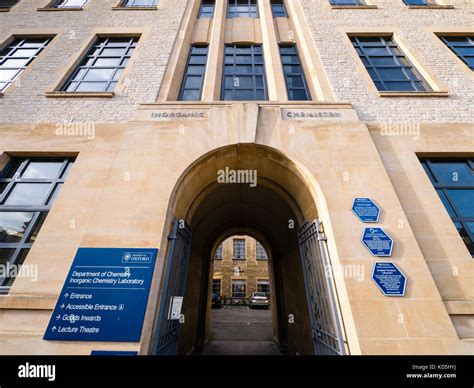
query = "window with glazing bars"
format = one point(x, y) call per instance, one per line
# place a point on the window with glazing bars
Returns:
point(191, 88)
point(239, 249)
point(453, 180)
point(244, 73)
point(207, 9)
point(218, 254)
point(139, 3)
point(69, 4)
point(462, 46)
point(346, 2)
point(242, 9)
point(16, 57)
point(388, 66)
point(261, 252)
point(278, 9)
point(419, 2)
point(263, 286)
point(8, 3)
point(294, 74)
point(216, 286)
point(103, 65)
point(239, 288)
point(28, 189)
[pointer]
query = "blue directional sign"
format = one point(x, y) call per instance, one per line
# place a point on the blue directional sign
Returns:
point(377, 241)
point(104, 296)
point(366, 210)
point(390, 280)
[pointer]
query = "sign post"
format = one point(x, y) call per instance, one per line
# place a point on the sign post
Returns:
point(104, 296)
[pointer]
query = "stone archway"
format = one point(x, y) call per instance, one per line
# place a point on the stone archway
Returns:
point(271, 210)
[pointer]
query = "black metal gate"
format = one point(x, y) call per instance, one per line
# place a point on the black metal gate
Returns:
point(167, 327)
point(323, 306)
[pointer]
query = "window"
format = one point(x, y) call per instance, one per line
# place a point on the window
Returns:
point(419, 2)
point(239, 249)
point(462, 46)
point(69, 4)
point(16, 57)
point(244, 73)
point(28, 189)
point(242, 9)
point(454, 183)
point(278, 9)
point(139, 3)
point(218, 254)
point(261, 253)
point(263, 286)
point(191, 88)
point(294, 75)
point(216, 286)
point(388, 67)
point(239, 289)
point(103, 65)
point(346, 2)
point(7, 3)
point(207, 9)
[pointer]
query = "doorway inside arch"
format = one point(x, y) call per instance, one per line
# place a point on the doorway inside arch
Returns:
point(241, 317)
point(278, 210)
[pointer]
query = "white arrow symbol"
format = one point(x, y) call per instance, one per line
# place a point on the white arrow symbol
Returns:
point(53, 328)
point(66, 295)
point(58, 317)
point(62, 306)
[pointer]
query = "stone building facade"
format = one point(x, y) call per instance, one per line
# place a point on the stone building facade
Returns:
point(117, 158)
point(235, 276)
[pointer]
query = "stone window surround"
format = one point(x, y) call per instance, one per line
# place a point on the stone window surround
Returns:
point(438, 88)
point(317, 83)
point(54, 90)
point(31, 34)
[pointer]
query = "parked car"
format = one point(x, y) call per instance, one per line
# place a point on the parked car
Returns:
point(216, 300)
point(259, 299)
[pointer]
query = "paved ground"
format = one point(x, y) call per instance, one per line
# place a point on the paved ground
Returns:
point(238, 330)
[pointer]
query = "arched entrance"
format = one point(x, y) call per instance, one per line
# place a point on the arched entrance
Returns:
point(253, 190)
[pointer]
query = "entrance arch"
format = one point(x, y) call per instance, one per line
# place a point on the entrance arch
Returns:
point(304, 307)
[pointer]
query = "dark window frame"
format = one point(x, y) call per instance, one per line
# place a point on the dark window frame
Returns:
point(254, 74)
point(452, 46)
point(300, 74)
point(131, 4)
point(258, 252)
point(266, 284)
point(186, 74)
point(217, 282)
point(242, 294)
point(203, 13)
point(9, 4)
point(59, 4)
point(354, 3)
point(402, 63)
point(18, 43)
point(443, 187)
point(16, 167)
point(420, 3)
point(218, 252)
point(242, 3)
point(278, 9)
point(235, 248)
point(100, 44)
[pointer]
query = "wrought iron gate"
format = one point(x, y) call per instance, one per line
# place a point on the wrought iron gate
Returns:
point(323, 308)
point(167, 330)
